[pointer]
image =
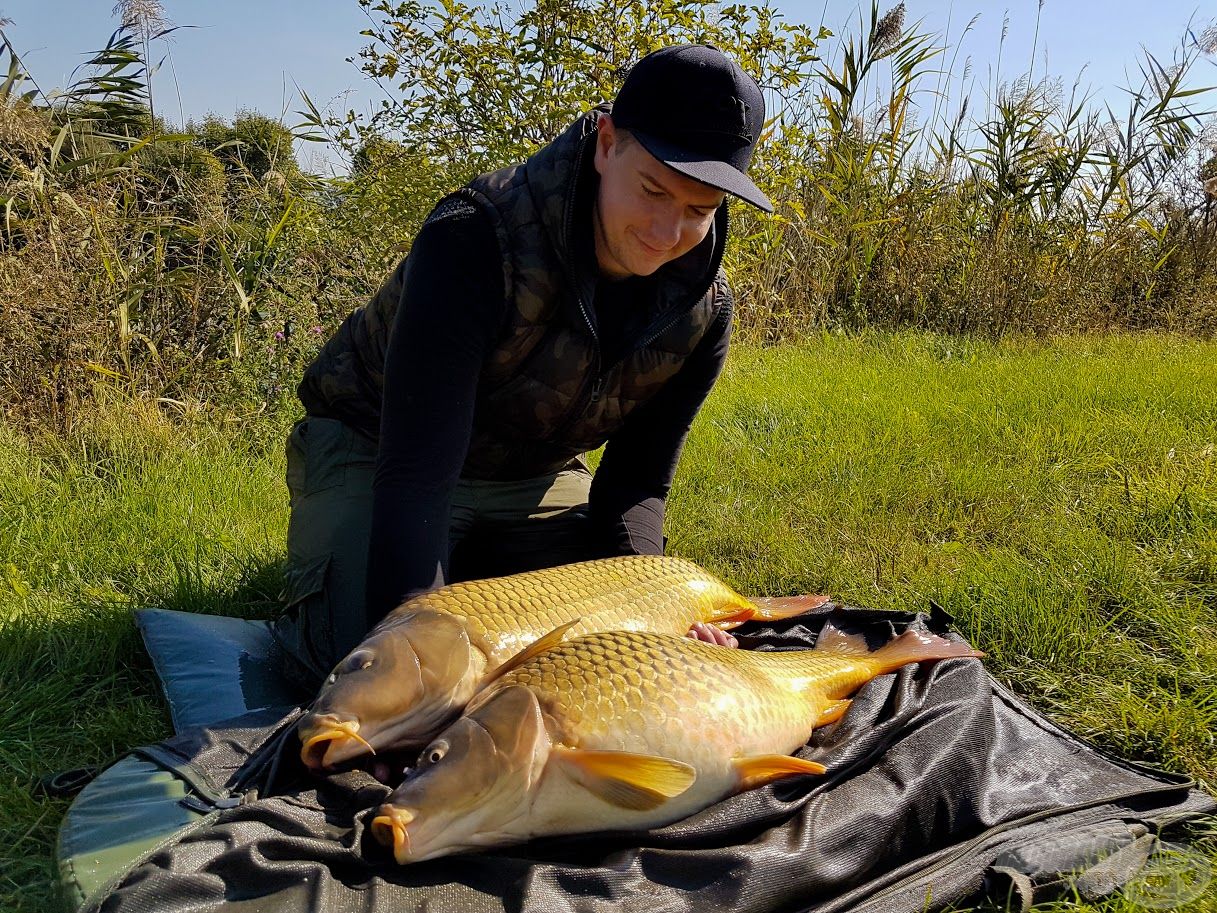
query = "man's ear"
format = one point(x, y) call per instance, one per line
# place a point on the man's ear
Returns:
point(606, 139)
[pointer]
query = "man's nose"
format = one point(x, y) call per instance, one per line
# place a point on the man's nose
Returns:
point(665, 231)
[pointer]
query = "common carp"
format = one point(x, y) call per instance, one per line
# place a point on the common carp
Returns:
point(627, 730)
point(416, 670)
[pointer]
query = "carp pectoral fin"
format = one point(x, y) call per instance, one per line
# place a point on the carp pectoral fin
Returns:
point(765, 768)
point(833, 712)
point(634, 781)
point(549, 641)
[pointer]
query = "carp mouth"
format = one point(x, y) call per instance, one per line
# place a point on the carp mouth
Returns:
point(330, 745)
point(389, 827)
point(330, 737)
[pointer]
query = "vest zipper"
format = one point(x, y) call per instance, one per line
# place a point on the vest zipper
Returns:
point(663, 329)
point(583, 399)
point(568, 217)
point(578, 402)
point(598, 375)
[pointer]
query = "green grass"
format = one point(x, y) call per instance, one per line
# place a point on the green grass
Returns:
point(131, 513)
point(1059, 498)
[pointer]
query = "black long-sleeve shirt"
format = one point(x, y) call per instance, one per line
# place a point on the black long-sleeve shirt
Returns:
point(452, 311)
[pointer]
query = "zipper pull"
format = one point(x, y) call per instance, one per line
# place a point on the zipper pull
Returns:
point(596, 389)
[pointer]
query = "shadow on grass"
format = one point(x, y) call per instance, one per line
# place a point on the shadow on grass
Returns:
point(255, 593)
point(80, 691)
point(78, 683)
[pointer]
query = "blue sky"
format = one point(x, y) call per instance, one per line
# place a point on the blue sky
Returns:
point(253, 54)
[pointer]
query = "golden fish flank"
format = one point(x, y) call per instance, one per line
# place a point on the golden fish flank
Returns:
point(630, 592)
point(416, 670)
point(627, 730)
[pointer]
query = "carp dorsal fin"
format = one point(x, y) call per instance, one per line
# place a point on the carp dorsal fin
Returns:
point(538, 646)
point(765, 768)
point(634, 781)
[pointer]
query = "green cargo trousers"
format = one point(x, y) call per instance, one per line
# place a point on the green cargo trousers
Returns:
point(496, 528)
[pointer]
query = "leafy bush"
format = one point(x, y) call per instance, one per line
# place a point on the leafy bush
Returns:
point(204, 265)
point(252, 146)
point(479, 87)
point(1034, 214)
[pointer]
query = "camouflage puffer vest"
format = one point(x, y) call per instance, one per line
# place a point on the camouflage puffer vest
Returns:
point(545, 395)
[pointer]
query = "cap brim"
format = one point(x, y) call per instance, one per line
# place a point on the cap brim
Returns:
point(719, 175)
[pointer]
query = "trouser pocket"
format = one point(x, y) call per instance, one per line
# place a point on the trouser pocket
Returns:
point(306, 629)
point(330, 471)
point(319, 451)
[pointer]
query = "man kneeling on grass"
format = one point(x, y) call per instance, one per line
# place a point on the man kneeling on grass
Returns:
point(545, 309)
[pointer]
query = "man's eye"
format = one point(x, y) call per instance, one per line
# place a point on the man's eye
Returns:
point(652, 193)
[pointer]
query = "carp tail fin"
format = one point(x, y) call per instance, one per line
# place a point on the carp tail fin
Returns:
point(772, 608)
point(768, 608)
point(918, 647)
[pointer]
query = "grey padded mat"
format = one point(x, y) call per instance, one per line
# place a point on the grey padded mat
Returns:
point(214, 668)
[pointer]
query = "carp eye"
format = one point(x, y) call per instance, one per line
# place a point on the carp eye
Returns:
point(358, 661)
point(435, 753)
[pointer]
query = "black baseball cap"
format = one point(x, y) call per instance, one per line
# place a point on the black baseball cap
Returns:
point(694, 109)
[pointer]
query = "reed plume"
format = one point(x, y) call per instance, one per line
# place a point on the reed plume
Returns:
point(144, 18)
point(887, 33)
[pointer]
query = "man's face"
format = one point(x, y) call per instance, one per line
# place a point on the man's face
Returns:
point(647, 214)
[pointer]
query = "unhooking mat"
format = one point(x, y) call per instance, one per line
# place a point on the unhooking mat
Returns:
point(942, 788)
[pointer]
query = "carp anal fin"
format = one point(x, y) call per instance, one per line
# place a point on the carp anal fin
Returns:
point(768, 608)
point(634, 781)
point(766, 768)
point(833, 640)
point(832, 712)
point(772, 608)
point(537, 647)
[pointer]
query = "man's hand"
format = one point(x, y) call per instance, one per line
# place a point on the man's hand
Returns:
point(712, 635)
